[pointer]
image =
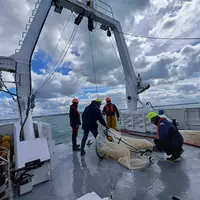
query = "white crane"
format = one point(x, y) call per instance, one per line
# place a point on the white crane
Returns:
point(29, 148)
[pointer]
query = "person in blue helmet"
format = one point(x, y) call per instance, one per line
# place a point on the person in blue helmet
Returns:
point(90, 116)
point(161, 112)
point(173, 121)
point(168, 137)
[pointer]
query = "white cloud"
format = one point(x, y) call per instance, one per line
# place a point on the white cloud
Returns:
point(13, 18)
point(179, 19)
point(8, 78)
point(172, 67)
point(59, 85)
point(11, 108)
point(169, 67)
point(180, 22)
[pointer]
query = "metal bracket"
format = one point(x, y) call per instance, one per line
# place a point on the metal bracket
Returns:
point(58, 9)
point(7, 64)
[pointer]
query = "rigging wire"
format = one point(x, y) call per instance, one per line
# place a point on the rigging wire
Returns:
point(62, 34)
point(60, 60)
point(93, 64)
point(7, 90)
point(158, 38)
point(152, 37)
point(111, 40)
point(52, 55)
point(10, 93)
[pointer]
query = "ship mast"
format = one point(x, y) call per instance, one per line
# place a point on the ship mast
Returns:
point(20, 62)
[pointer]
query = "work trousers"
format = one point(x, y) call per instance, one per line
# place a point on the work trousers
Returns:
point(85, 137)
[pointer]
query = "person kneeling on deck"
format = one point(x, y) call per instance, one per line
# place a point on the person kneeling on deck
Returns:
point(74, 123)
point(90, 116)
point(168, 138)
point(111, 111)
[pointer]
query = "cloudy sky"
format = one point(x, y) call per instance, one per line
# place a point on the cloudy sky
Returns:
point(172, 67)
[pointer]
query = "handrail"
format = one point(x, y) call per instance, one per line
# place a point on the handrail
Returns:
point(110, 11)
point(28, 24)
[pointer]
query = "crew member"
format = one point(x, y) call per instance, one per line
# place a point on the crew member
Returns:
point(90, 116)
point(111, 111)
point(75, 122)
point(168, 137)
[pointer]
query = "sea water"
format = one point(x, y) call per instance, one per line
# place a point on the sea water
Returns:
point(60, 124)
point(61, 130)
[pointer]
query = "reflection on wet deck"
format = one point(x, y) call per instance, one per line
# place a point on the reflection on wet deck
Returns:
point(73, 176)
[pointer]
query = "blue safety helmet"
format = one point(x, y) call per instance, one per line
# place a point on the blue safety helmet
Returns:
point(161, 112)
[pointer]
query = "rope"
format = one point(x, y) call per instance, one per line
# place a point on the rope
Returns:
point(93, 64)
point(52, 55)
point(60, 60)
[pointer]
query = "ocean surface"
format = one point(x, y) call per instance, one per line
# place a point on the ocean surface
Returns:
point(61, 130)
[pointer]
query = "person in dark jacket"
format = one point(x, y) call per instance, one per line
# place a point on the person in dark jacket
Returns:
point(90, 116)
point(168, 137)
point(75, 122)
point(111, 112)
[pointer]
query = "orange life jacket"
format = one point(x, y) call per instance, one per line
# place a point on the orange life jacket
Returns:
point(158, 127)
point(111, 108)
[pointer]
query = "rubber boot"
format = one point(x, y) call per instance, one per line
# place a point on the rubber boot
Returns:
point(176, 156)
point(77, 145)
point(74, 145)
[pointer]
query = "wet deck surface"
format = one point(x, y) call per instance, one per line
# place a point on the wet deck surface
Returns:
point(73, 176)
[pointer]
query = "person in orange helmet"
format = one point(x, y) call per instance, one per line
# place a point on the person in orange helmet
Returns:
point(111, 111)
point(75, 122)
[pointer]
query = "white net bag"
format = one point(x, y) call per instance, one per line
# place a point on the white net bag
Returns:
point(130, 152)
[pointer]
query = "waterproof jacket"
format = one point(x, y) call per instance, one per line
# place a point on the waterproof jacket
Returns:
point(166, 131)
point(91, 115)
point(110, 110)
point(74, 116)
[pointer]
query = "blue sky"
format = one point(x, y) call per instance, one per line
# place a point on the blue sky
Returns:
point(41, 60)
point(3, 94)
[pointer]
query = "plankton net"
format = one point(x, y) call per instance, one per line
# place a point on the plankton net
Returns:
point(129, 152)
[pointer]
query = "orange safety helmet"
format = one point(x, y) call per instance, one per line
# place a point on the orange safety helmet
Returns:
point(75, 101)
point(108, 99)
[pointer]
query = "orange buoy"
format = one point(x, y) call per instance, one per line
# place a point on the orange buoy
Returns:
point(6, 138)
point(6, 145)
point(110, 138)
